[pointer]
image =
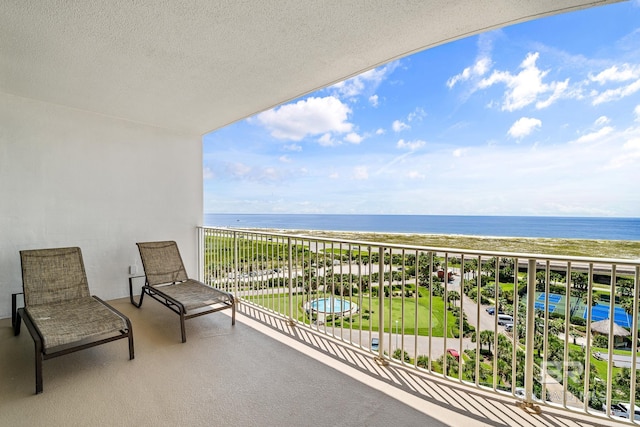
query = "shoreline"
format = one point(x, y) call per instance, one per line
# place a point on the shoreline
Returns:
point(620, 249)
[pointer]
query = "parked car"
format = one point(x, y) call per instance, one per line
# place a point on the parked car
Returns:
point(492, 311)
point(503, 319)
point(374, 344)
point(622, 410)
point(454, 353)
point(508, 327)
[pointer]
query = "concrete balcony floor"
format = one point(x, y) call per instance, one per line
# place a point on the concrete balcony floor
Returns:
point(260, 372)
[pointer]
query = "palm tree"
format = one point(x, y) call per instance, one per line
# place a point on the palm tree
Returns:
point(401, 355)
point(625, 287)
point(471, 266)
point(627, 304)
point(486, 337)
point(453, 296)
point(452, 365)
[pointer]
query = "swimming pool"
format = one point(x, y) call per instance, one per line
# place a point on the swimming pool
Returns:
point(331, 306)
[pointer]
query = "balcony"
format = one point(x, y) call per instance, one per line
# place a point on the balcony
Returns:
point(261, 372)
point(527, 349)
point(290, 362)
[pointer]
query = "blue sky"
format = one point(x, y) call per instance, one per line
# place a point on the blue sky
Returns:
point(540, 118)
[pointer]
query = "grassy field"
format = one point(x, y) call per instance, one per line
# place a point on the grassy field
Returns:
point(367, 317)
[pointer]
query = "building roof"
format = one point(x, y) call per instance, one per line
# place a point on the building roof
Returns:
point(198, 65)
point(602, 327)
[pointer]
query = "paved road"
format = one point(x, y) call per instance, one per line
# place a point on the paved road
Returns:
point(437, 344)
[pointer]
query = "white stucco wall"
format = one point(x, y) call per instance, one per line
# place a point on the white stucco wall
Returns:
point(72, 178)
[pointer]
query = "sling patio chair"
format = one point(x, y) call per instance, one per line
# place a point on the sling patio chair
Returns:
point(59, 312)
point(166, 281)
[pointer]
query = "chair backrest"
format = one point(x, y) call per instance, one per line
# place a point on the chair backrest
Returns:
point(53, 275)
point(162, 262)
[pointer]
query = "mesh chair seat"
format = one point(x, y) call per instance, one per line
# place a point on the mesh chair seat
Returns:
point(193, 294)
point(75, 320)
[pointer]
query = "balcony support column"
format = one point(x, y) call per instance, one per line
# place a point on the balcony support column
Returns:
point(528, 404)
point(380, 357)
point(236, 265)
point(290, 265)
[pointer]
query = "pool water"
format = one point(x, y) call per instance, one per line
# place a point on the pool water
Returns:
point(330, 305)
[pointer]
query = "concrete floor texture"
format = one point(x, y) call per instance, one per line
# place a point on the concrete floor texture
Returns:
point(260, 372)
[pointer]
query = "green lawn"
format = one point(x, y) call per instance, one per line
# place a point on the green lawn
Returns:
point(368, 317)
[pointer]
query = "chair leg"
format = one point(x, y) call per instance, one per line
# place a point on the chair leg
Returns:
point(233, 313)
point(38, 348)
point(139, 303)
point(17, 321)
point(182, 329)
point(130, 336)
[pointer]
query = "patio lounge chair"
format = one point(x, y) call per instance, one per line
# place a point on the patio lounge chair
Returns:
point(167, 281)
point(59, 312)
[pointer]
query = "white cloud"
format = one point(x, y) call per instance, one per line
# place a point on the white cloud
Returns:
point(602, 120)
point(559, 91)
point(617, 93)
point(410, 145)
point(353, 138)
point(360, 173)
point(636, 111)
point(527, 86)
point(523, 127)
point(380, 131)
point(415, 175)
point(417, 114)
point(369, 79)
point(373, 100)
point(631, 154)
point(399, 126)
point(593, 136)
point(285, 159)
point(625, 73)
point(311, 116)
point(478, 69)
point(334, 175)
point(459, 152)
point(632, 145)
point(238, 170)
point(327, 140)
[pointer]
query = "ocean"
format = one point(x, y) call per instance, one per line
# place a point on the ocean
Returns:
point(498, 226)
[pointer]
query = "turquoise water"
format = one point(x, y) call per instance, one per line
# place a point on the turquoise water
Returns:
point(501, 226)
point(330, 305)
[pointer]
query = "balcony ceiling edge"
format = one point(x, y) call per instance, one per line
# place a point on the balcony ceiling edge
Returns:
point(197, 66)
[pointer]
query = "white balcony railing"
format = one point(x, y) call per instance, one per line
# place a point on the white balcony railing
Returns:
point(431, 309)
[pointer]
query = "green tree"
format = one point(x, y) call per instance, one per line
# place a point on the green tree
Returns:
point(422, 361)
point(452, 297)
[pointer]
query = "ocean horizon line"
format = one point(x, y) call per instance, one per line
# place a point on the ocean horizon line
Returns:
point(428, 215)
point(562, 227)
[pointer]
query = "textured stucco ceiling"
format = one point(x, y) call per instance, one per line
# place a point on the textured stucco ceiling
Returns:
point(198, 65)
